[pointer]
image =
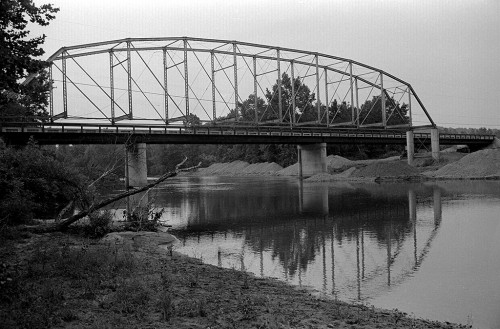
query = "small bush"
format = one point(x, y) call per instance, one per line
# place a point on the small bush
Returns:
point(143, 219)
point(99, 223)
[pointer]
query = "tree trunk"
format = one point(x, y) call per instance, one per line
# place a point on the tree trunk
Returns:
point(62, 225)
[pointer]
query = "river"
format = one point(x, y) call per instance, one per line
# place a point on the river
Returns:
point(431, 249)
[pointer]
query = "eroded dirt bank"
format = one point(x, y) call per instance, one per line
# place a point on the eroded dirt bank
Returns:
point(66, 281)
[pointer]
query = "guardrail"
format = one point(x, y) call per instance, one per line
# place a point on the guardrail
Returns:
point(280, 131)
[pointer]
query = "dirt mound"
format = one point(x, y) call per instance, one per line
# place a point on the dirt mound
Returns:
point(292, 170)
point(385, 169)
point(222, 168)
point(237, 168)
point(261, 169)
point(480, 164)
point(336, 163)
point(370, 161)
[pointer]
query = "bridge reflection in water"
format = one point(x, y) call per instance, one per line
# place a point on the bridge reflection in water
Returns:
point(351, 242)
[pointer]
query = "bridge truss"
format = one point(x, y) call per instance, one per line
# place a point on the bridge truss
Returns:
point(219, 82)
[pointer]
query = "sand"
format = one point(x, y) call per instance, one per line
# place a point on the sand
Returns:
point(239, 168)
point(292, 170)
point(336, 163)
point(483, 164)
point(480, 164)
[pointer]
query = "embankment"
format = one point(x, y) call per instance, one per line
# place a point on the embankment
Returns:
point(66, 281)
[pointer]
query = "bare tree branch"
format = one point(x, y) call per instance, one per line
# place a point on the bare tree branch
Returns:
point(62, 225)
point(64, 211)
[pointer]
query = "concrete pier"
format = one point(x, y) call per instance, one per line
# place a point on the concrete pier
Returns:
point(136, 173)
point(312, 159)
point(410, 147)
point(435, 143)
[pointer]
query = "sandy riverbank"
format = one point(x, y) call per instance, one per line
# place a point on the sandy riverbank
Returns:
point(484, 164)
point(64, 280)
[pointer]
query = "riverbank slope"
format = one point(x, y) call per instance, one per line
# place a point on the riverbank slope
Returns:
point(67, 281)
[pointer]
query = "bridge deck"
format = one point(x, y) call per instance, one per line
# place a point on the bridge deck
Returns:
point(71, 133)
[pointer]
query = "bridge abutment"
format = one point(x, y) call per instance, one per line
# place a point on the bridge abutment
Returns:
point(136, 174)
point(312, 159)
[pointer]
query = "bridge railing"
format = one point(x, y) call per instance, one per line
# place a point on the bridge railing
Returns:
point(278, 131)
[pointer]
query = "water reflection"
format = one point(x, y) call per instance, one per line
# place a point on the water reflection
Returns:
point(313, 198)
point(353, 242)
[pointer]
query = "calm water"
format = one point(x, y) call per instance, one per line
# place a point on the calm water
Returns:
point(431, 249)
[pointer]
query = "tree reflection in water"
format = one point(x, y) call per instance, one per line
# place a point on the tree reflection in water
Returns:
point(351, 241)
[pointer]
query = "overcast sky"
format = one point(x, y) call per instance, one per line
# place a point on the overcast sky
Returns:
point(448, 50)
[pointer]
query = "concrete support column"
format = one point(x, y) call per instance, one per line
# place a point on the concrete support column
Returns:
point(435, 143)
point(410, 147)
point(136, 173)
point(312, 159)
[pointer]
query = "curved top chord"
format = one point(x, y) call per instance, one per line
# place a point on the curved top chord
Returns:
point(205, 81)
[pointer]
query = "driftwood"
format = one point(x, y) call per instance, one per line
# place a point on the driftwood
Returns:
point(63, 224)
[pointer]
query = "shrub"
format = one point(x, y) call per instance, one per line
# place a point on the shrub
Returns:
point(145, 218)
point(99, 223)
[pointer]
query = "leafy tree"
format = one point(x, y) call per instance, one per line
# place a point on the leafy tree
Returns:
point(18, 53)
point(339, 113)
point(191, 120)
point(304, 109)
point(371, 112)
point(34, 183)
point(102, 164)
point(247, 109)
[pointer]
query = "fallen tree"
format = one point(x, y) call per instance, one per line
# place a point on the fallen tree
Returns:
point(65, 223)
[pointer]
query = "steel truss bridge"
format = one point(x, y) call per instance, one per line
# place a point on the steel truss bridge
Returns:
point(193, 90)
